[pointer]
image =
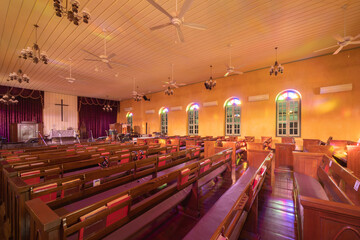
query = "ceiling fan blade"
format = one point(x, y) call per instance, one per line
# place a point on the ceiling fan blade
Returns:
point(338, 50)
point(338, 38)
point(118, 63)
point(195, 26)
point(90, 53)
point(160, 26)
point(356, 37)
point(185, 7)
point(164, 85)
point(111, 56)
point(152, 2)
point(176, 86)
point(95, 60)
point(108, 64)
point(326, 48)
point(167, 82)
point(355, 42)
point(180, 34)
point(226, 74)
point(180, 84)
point(236, 72)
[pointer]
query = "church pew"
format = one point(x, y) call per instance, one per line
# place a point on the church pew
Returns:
point(353, 159)
point(228, 215)
point(326, 149)
point(136, 207)
point(65, 152)
point(249, 139)
point(283, 155)
point(326, 197)
point(238, 148)
point(254, 146)
point(87, 184)
point(288, 140)
point(310, 142)
point(55, 149)
point(29, 164)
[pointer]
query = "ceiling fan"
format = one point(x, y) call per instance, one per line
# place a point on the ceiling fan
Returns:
point(177, 20)
point(107, 59)
point(342, 41)
point(70, 79)
point(137, 95)
point(171, 83)
point(230, 70)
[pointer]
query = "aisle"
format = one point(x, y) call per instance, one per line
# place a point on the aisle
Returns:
point(276, 208)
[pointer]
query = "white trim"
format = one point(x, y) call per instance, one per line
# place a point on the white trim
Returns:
point(258, 98)
point(336, 88)
point(210, 104)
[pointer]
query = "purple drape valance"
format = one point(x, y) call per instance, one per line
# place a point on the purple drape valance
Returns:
point(29, 108)
point(92, 115)
point(96, 102)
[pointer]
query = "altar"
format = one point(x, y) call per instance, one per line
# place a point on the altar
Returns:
point(62, 133)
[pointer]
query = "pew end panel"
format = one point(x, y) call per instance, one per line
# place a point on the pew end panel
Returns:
point(329, 220)
point(353, 159)
point(283, 155)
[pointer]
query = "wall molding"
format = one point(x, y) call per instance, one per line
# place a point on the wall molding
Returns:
point(336, 88)
point(257, 98)
point(210, 104)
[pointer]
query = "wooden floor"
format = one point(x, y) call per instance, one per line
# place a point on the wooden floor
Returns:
point(276, 208)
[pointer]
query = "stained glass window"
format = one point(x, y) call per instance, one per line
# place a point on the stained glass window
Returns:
point(129, 119)
point(193, 119)
point(288, 108)
point(232, 117)
point(163, 120)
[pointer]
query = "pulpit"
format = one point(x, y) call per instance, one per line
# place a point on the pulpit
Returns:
point(21, 132)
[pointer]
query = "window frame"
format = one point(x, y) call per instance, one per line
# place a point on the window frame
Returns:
point(163, 112)
point(129, 116)
point(289, 123)
point(193, 120)
point(234, 125)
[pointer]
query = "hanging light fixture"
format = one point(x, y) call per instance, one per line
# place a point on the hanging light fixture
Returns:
point(276, 68)
point(107, 108)
point(210, 84)
point(8, 99)
point(18, 76)
point(34, 51)
point(72, 12)
point(169, 91)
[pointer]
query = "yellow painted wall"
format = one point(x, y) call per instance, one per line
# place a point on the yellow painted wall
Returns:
point(334, 114)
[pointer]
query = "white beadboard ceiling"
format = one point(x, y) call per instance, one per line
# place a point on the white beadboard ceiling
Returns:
point(253, 28)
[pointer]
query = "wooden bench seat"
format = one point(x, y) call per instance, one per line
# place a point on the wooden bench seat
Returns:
point(147, 200)
point(109, 178)
point(133, 227)
point(309, 186)
point(326, 197)
point(204, 229)
point(95, 198)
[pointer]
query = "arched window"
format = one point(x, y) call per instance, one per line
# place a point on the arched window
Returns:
point(163, 112)
point(232, 116)
point(193, 118)
point(129, 119)
point(288, 109)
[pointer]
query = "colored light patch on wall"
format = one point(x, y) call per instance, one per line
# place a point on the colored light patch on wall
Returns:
point(325, 106)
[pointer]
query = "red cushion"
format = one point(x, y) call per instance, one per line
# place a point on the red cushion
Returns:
point(204, 168)
point(118, 214)
point(105, 153)
point(184, 179)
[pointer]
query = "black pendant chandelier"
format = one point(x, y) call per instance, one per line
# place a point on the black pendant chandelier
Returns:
point(276, 68)
point(211, 83)
point(34, 52)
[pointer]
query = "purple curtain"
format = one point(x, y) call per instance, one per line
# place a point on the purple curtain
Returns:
point(29, 108)
point(92, 115)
